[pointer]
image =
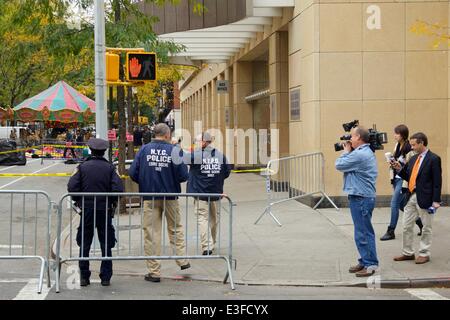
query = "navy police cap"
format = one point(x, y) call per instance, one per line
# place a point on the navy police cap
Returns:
point(98, 144)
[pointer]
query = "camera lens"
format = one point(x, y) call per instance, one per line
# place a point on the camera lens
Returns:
point(338, 147)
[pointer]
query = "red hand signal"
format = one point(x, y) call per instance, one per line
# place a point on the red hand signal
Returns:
point(135, 67)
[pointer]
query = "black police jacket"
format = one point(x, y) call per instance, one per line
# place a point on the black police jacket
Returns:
point(96, 174)
point(208, 170)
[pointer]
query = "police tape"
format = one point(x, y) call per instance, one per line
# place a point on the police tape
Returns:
point(66, 174)
point(16, 150)
point(41, 146)
point(64, 146)
point(35, 174)
point(249, 170)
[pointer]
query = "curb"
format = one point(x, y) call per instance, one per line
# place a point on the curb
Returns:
point(408, 283)
point(381, 284)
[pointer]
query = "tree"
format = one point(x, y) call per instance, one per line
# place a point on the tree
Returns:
point(48, 39)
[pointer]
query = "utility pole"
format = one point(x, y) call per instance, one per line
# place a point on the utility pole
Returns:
point(101, 118)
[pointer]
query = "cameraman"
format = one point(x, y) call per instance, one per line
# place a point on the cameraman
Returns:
point(359, 165)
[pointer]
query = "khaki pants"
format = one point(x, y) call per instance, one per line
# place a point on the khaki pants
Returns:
point(153, 212)
point(412, 212)
point(207, 218)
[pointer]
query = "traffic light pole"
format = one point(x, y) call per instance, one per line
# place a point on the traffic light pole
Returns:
point(101, 120)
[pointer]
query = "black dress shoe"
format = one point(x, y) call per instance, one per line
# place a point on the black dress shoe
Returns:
point(389, 235)
point(148, 277)
point(207, 252)
point(84, 282)
point(186, 266)
point(106, 283)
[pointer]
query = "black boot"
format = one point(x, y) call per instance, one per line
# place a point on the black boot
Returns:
point(389, 235)
point(420, 225)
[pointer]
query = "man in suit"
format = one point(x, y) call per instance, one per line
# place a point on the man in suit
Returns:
point(424, 175)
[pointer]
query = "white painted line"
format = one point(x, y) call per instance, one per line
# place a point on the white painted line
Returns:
point(7, 168)
point(17, 180)
point(14, 280)
point(14, 246)
point(425, 294)
point(29, 292)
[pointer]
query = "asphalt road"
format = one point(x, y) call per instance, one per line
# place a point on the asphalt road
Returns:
point(18, 279)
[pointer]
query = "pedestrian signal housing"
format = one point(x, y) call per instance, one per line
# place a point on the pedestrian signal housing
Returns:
point(141, 66)
point(112, 67)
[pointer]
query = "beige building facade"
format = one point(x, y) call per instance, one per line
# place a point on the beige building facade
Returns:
point(316, 64)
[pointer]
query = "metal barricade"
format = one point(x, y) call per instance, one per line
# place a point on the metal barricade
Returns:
point(294, 178)
point(24, 216)
point(136, 245)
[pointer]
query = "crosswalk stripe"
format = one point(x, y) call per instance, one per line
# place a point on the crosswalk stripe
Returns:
point(425, 294)
point(29, 292)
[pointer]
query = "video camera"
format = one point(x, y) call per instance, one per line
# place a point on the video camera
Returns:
point(376, 139)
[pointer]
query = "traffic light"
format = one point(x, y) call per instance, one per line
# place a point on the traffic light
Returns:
point(112, 67)
point(141, 66)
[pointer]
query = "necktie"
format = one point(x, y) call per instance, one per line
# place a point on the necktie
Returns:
point(415, 171)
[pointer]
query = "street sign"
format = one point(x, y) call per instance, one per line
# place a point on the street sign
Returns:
point(141, 66)
point(222, 86)
point(143, 120)
point(112, 135)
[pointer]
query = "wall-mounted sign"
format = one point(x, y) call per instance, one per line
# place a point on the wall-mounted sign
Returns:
point(295, 104)
point(227, 116)
point(112, 135)
point(273, 108)
point(222, 86)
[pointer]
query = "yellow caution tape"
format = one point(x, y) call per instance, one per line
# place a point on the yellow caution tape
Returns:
point(64, 146)
point(17, 150)
point(249, 170)
point(35, 174)
point(135, 149)
point(67, 174)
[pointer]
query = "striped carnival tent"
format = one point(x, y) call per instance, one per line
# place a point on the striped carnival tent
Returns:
point(60, 103)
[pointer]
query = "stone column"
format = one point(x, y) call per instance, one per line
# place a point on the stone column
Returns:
point(243, 113)
point(279, 91)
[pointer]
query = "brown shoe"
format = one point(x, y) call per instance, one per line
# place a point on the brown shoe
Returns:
point(404, 258)
point(422, 260)
point(364, 273)
point(356, 268)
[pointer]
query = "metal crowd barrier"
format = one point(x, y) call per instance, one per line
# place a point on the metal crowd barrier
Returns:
point(294, 178)
point(131, 245)
point(19, 228)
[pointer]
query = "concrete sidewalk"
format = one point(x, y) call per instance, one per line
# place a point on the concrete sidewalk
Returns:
point(312, 248)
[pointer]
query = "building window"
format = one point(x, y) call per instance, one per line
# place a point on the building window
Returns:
point(295, 104)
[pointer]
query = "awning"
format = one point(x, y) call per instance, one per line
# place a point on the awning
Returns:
point(219, 44)
point(261, 94)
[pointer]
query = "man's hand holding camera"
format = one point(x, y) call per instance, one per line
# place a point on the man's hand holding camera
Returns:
point(348, 146)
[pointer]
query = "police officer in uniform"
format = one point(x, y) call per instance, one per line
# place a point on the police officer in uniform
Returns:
point(209, 168)
point(96, 174)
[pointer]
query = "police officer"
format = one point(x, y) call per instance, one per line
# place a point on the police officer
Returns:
point(96, 174)
point(156, 171)
point(209, 168)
